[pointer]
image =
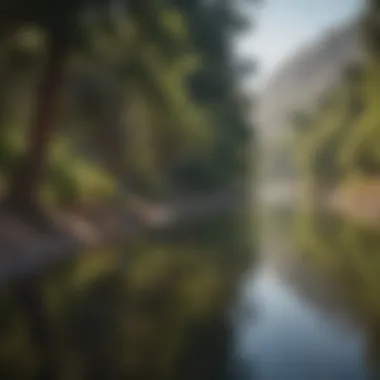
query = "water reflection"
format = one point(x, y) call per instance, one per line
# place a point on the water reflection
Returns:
point(169, 306)
point(316, 299)
point(290, 340)
point(155, 309)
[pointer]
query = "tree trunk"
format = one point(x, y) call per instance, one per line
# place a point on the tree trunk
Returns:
point(24, 184)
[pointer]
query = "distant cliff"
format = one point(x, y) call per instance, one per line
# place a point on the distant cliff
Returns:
point(314, 69)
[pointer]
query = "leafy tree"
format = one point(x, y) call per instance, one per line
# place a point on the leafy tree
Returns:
point(59, 21)
point(215, 86)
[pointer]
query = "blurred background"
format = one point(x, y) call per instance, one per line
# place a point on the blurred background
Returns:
point(190, 189)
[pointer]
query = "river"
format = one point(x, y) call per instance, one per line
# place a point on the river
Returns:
point(314, 296)
point(295, 297)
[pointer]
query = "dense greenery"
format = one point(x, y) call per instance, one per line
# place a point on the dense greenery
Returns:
point(103, 100)
point(340, 138)
point(322, 136)
point(146, 91)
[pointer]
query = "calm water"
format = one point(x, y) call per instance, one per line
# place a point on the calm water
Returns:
point(154, 309)
point(182, 305)
point(314, 294)
point(287, 339)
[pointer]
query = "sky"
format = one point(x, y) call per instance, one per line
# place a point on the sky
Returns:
point(282, 26)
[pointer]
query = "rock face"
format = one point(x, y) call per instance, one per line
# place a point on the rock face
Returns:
point(311, 72)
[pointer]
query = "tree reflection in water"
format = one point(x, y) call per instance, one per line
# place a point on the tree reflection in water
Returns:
point(155, 309)
point(335, 266)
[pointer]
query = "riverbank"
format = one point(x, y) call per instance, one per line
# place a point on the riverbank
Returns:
point(26, 250)
point(155, 305)
point(357, 200)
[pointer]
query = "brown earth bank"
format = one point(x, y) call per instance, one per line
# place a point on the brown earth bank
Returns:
point(26, 249)
point(358, 200)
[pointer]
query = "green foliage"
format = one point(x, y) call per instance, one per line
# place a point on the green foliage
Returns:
point(214, 86)
point(343, 136)
point(131, 112)
point(128, 117)
point(157, 95)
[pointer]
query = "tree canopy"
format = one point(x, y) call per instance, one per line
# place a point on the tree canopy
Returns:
point(146, 91)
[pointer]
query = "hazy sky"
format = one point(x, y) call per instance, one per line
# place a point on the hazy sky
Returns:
point(284, 25)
